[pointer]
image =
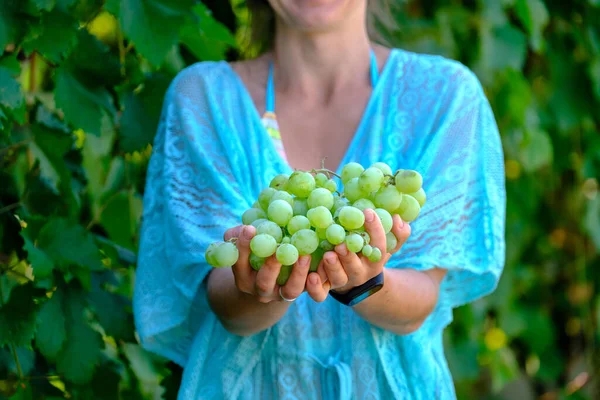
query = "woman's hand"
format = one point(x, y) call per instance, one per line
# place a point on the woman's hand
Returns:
point(263, 283)
point(346, 270)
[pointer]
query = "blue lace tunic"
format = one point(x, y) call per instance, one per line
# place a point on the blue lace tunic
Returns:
point(212, 157)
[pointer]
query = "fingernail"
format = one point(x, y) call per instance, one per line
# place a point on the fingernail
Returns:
point(342, 250)
point(313, 279)
point(370, 215)
point(330, 260)
point(247, 233)
point(401, 222)
point(303, 262)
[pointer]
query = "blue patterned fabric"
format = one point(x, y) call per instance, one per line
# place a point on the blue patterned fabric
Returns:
point(212, 156)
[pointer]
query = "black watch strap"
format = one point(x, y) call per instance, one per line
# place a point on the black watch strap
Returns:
point(361, 292)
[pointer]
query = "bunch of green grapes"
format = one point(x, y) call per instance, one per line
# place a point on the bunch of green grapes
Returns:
point(305, 214)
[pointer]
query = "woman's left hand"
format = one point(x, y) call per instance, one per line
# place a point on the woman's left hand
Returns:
point(346, 270)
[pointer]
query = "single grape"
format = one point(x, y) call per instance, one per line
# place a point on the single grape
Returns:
point(420, 196)
point(315, 259)
point(282, 195)
point(325, 245)
point(363, 204)
point(264, 198)
point(321, 233)
point(391, 242)
point(270, 228)
point(296, 223)
point(367, 250)
point(300, 206)
point(320, 197)
point(320, 217)
point(338, 203)
point(370, 180)
point(388, 197)
point(354, 242)
point(351, 170)
point(284, 274)
point(321, 179)
point(330, 185)
point(335, 234)
point(352, 190)
point(408, 181)
point(263, 245)
point(351, 218)
point(287, 254)
point(306, 241)
point(225, 254)
point(286, 239)
point(280, 212)
point(383, 167)
point(257, 222)
point(209, 255)
point(386, 219)
point(365, 236)
point(375, 255)
point(409, 209)
point(279, 182)
point(301, 184)
point(256, 262)
point(252, 214)
point(256, 204)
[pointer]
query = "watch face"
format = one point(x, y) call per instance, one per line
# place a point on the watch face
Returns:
point(366, 294)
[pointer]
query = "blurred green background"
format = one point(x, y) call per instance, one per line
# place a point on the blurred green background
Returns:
point(81, 86)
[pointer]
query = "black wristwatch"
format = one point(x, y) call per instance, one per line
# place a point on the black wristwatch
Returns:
point(361, 292)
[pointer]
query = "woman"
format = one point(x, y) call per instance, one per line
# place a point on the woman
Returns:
point(343, 98)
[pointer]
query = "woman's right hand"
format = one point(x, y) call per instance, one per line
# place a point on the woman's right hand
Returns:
point(263, 283)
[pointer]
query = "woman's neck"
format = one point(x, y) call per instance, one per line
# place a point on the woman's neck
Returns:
point(318, 64)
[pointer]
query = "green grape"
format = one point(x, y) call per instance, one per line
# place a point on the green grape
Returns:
point(296, 223)
point(363, 204)
point(321, 233)
point(352, 190)
point(256, 262)
point(252, 214)
point(365, 236)
point(375, 255)
point(388, 198)
point(321, 179)
point(320, 197)
point(284, 274)
point(222, 254)
point(282, 195)
point(315, 259)
point(386, 219)
point(351, 218)
point(300, 206)
point(420, 196)
point(257, 222)
point(370, 180)
point(383, 167)
point(301, 184)
point(325, 245)
point(367, 250)
point(320, 217)
point(280, 212)
point(286, 239)
point(391, 242)
point(270, 228)
point(330, 185)
point(263, 245)
point(335, 234)
point(351, 170)
point(264, 198)
point(338, 203)
point(408, 181)
point(354, 242)
point(256, 204)
point(306, 241)
point(287, 254)
point(409, 209)
point(279, 182)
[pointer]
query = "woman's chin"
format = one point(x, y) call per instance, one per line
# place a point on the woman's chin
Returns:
point(318, 15)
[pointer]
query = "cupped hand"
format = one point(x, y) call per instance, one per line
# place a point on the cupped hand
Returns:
point(345, 269)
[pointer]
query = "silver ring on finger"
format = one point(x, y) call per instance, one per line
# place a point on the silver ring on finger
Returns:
point(284, 298)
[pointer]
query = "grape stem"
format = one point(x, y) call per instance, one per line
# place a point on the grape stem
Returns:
point(325, 171)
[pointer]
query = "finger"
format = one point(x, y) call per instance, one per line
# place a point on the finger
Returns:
point(297, 280)
point(375, 230)
point(336, 274)
point(241, 269)
point(401, 230)
point(233, 232)
point(316, 288)
point(352, 264)
point(266, 278)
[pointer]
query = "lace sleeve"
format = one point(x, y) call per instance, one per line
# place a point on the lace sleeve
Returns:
point(191, 198)
point(461, 227)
